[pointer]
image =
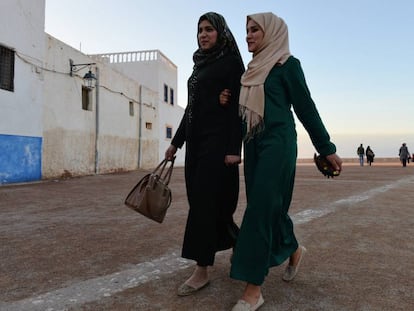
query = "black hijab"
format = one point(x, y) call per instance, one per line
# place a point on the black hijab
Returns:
point(225, 41)
point(225, 45)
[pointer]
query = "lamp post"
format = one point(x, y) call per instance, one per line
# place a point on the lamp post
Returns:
point(89, 78)
point(97, 123)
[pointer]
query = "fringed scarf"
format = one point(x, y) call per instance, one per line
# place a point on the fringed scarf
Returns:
point(274, 49)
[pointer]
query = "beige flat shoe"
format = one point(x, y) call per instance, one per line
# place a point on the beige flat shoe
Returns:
point(186, 290)
point(291, 271)
point(242, 305)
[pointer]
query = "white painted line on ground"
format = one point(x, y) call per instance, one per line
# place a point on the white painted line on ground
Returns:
point(310, 214)
point(105, 286)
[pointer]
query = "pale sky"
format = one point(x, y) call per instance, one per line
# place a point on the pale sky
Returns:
point(357, 55)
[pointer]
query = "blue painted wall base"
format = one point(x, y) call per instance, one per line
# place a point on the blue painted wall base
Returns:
point(20, 159)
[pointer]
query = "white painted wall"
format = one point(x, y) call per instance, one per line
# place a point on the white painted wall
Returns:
point(152, 69)
point(69, 131)
point(70, 146)
point(43, 120)
point(170, 115)
point(22, 29)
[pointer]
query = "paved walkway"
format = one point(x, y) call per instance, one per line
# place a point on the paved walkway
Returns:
point(72, 245)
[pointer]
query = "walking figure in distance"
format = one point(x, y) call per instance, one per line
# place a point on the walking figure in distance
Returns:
point(370, 155)
point(360, 153)
point(404, 154)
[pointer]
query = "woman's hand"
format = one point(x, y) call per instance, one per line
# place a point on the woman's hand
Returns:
point(232, 159)
point(335, 160)
point(224, 97)
point(170, 152)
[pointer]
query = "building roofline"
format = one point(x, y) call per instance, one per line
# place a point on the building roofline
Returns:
point(132, 56)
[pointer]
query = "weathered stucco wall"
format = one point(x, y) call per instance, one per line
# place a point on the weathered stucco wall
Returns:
point(107, 137)
point(22, 31)
point(45, 132)
point(149, 150)
point(154, 70)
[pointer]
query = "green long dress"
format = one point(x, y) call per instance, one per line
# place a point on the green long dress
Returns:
point(266, 237)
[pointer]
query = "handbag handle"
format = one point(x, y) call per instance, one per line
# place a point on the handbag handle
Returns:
point(167, 176)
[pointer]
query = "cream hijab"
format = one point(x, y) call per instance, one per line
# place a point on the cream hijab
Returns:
point(274, 49)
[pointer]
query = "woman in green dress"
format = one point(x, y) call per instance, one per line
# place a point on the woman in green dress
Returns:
point(272, 84)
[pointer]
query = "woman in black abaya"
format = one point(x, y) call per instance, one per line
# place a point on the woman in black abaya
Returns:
point(211, 129)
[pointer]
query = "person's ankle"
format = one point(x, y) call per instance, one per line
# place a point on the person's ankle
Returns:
point(252, 294)
point(200, 272)
point(294, 259)
point(199, 277)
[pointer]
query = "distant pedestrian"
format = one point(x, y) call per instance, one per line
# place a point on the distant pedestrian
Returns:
point(404, 154)
point(361, 153)
point(370, 155)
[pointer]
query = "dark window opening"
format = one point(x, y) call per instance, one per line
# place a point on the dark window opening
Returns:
point(168, 133)
point(172, 97)
point(6, 69)
point(86, 98)
point(165, 93)
point(131, 108)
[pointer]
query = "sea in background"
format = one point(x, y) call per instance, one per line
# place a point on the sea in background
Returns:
point(383, 145)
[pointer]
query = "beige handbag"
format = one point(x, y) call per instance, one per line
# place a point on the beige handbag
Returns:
point(151, 196)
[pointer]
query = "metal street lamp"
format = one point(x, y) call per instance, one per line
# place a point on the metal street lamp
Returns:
point(89, 78)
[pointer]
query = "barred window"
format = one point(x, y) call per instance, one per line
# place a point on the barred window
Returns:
point(6, 69)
